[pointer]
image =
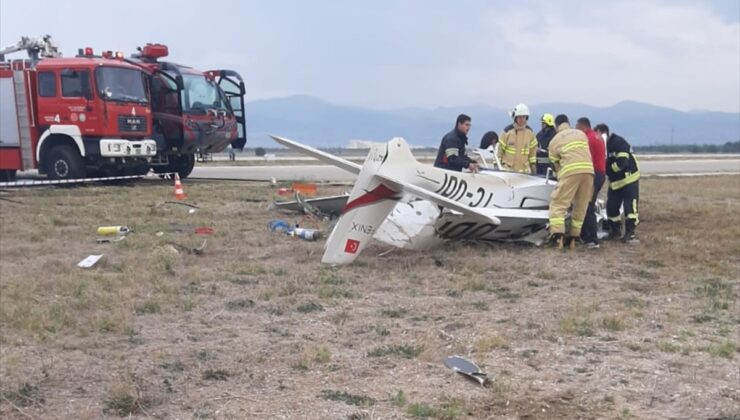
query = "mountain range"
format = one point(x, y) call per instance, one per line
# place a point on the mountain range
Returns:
point(320, 123)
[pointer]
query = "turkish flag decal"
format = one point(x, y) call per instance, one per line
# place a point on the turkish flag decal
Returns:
point(352, 246)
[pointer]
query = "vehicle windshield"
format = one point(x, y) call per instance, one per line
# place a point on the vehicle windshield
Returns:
point(201, 94)
point(121, 85)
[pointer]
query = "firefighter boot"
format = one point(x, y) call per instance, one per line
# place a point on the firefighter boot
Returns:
point(615, 230)
point(629, 236)
point(555, 241)
point(572, 242)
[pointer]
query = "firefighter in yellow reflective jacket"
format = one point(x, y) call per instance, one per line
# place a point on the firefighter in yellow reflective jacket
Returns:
point(517, 146)
point(571, 160)
point(623, 172)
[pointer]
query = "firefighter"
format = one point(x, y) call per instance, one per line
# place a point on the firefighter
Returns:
point(623, 172)
point(598, 156)
point(571, 160)
point(544, 136)
point(517, 146)
point(451, 153)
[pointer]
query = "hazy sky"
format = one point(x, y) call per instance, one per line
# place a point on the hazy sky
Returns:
point(385, 54)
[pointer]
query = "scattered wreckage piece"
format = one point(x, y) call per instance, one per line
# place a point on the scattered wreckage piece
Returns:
point(468, 369)
point(321, 207)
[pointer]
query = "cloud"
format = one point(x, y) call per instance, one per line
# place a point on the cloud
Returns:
point(679, 53)
point(682, 56)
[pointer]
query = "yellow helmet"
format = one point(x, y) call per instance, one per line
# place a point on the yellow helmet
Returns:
point(548, 119)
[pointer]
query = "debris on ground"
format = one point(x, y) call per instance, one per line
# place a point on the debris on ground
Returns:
point(114, 230)
point(467, 368)
point(90, 261)
point(204, 230)
point(281, 226)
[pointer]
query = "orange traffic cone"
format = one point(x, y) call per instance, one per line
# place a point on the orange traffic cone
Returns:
point(179, 192)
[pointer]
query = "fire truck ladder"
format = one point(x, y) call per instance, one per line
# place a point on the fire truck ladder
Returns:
point(23, 119)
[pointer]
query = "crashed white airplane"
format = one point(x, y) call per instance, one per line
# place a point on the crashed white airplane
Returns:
point(401, 202)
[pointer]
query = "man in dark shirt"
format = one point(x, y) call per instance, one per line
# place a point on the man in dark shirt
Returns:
point(451, 153)
point(544, 137)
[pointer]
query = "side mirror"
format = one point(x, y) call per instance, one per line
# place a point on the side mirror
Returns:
point(242, 89)
point(106, 93)
point(180, 82)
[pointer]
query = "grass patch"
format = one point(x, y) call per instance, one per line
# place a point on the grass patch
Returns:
point(323, 355)
point(486, 344)
point(726, 350)
point(717, 294)
point(668, 347)
point(215, 375)
point(25, 395)
point(612, 323)
point(175, 366)
point(398, 399)
point(310, 307)
point(239, 304)
point(407, 351)
point(580, 326)
point(480, 305)
point(473, 285)
point(123, 401)
point(546, 275)
point(504, 293)
point(252, 270)
point(347, 398)
point(394, 313)
point(421, 411)
point(329, 292)
point(450, 410)
point(382, 331)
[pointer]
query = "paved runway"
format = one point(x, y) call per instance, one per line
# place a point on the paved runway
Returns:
point(333, 174)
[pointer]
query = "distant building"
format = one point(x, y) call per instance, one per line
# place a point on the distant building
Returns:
point(361, 144)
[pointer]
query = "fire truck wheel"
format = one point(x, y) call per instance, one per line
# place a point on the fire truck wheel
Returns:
point(182, 164)
point(63, 162)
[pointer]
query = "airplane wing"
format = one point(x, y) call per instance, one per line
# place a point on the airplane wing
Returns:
point(484, 215)
point(318, 154)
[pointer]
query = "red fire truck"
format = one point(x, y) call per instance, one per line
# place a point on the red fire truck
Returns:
point(73, 117)
point(109, 116)
point(193, 111)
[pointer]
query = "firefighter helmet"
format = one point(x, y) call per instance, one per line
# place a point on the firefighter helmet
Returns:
point(548, 119)
point(520, 110)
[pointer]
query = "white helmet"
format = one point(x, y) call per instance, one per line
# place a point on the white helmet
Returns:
point(520, 110)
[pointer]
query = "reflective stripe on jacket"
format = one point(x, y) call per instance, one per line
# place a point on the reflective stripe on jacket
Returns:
point(622, 167)
point(569, 152)
point(517, 149)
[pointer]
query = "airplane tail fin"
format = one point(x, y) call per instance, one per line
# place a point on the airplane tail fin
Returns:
point(369, 203)
point(384, 178)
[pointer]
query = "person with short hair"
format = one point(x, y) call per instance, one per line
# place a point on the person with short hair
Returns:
point(571, 160)
point(589, 233)
point(623, 172)
point(451, 154)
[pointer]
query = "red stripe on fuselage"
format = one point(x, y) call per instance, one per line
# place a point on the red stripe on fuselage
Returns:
point(381, 192)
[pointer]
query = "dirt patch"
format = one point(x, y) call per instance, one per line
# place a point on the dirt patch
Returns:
point(255, 327)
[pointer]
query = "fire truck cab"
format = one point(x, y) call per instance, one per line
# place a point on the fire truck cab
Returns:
point(192, 111)
point(75, 117)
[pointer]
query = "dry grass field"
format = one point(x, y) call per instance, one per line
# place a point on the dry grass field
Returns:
point(254, 327)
